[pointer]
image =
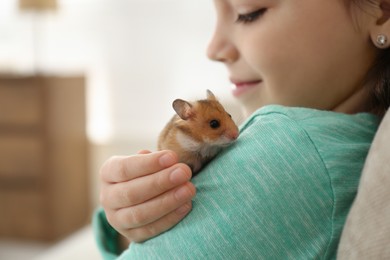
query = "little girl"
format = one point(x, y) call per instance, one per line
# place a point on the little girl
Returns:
point(313, 77)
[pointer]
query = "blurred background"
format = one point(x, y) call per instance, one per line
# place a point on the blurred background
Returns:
point(81, 81)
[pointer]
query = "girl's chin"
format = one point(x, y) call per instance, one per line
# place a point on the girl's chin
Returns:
point(250, 104)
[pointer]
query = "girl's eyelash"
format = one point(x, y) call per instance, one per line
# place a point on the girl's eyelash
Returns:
point(250, 17)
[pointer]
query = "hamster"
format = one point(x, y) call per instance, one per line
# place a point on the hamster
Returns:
point(198, 131)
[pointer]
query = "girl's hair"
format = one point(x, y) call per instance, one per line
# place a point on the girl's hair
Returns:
point(378, 78)
point(379, 83)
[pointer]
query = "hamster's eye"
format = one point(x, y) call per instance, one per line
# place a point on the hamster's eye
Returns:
point(214, 124)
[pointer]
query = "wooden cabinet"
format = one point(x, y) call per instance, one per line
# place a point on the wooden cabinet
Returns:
point(43, 157)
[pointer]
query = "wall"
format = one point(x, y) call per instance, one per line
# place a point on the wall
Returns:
point(137, 55)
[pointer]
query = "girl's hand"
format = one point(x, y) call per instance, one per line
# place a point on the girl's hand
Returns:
point(145, 194)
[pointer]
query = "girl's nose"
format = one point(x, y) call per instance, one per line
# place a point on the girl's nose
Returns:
point(221, 48)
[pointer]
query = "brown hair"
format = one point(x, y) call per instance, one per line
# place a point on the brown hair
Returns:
point(378, 78)
point(379, 83)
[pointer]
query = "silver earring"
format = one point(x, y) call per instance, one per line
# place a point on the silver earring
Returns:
point(381, 40)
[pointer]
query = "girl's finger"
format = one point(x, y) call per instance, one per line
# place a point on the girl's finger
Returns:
point(125, 168)
point(140, 190)
point(159, 226)
point(144, 152)
point(150, 211)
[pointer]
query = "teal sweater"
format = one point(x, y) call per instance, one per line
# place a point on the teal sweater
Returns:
point(281, 191)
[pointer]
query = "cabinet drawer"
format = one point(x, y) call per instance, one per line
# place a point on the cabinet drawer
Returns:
point(21, 156)
point(25, 214)
point(21, 102)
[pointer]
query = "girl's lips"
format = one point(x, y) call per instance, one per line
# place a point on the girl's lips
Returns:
point(242, 86)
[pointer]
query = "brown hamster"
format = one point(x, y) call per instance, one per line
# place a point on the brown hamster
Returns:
point(198, 131)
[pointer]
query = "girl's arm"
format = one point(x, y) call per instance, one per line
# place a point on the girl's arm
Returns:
point(142, 196)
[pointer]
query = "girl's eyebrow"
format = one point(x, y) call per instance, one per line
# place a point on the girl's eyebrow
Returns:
point(223, 1)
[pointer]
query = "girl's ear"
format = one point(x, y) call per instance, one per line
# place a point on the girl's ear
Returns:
point(380, 32)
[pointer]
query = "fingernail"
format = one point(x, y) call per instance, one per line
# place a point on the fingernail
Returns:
point(167, 160)
point(183, 193)
point(184, 209)
point(178, 176)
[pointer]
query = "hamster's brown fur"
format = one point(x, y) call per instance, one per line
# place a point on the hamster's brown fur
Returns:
point(198, 131)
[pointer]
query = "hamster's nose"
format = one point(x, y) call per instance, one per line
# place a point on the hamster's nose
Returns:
point(233, 135)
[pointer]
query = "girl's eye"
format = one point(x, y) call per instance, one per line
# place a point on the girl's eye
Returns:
point(250, 17)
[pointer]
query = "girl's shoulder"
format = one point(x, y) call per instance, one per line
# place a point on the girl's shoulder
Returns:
point(303, 114)
point(347, 127)
point(341, 141)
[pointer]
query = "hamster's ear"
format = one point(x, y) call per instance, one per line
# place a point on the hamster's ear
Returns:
point(183, 108)
point(210, 95)
point(380, 32)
